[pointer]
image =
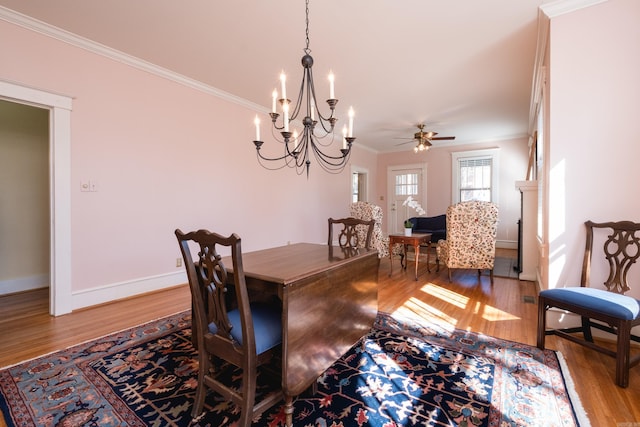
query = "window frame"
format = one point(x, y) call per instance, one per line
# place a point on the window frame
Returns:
point(457, 157)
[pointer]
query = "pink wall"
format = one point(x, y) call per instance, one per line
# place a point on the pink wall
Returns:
point(164, 156)
point(593, 129)
point(513, 167)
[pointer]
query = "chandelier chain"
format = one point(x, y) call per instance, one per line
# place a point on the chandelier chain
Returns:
point(307, 50)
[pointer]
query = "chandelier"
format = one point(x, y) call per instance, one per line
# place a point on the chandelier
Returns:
point(317, 133)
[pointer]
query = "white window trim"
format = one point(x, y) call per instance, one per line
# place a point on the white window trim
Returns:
point(489, 153)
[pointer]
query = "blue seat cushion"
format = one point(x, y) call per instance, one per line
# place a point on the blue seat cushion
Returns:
point(267, 326)
point(609, 303)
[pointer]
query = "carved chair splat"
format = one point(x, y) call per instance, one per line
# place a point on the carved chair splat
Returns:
point(349, 236)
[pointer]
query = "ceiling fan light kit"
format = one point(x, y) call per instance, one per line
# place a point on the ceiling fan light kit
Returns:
point(298, 148)
point(421, 147)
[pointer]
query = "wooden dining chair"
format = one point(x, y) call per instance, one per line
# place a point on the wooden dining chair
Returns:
point(353, 233)
point(228, 326)
point(605, 309)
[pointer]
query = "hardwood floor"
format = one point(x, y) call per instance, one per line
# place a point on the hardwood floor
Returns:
point(506, 310)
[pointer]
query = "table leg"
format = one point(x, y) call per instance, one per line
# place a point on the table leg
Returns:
point(390, 257)
point(404, 256)
point(428, 250)
point(288, 410)
point(417, 254)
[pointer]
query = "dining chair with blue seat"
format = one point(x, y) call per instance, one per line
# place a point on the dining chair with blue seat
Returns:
point(607, 309)
point(227, 325)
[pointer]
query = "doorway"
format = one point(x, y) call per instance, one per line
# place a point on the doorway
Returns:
point(404, 181)
point(59, 107)
point(359, 184)
point(24, 197)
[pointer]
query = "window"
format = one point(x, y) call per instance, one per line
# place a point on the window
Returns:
point(475, 175)
point(407, 184)
point(475, 179)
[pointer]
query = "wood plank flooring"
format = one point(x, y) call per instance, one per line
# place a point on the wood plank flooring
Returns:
point(468, 302)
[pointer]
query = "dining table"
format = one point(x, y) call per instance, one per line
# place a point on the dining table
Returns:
point(329, 301)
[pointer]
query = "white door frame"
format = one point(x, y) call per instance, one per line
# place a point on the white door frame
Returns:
point(59, 107)
point(361, 170)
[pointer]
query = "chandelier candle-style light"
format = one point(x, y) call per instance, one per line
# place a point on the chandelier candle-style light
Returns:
point(316, 127)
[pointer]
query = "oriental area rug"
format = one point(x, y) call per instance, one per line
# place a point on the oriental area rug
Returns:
point(403, 373)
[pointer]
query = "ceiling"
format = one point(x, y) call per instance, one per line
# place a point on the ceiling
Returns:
point(463, 67)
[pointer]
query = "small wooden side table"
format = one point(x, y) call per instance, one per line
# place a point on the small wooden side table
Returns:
point(415, 240)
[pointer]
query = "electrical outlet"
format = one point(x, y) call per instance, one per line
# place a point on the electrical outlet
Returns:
point(178, 262)
point(87, 185)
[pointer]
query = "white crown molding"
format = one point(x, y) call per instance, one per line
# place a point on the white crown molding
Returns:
point(562, 7)
point(33, 24)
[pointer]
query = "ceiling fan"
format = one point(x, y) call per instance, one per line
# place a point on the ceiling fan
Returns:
point(424, 139)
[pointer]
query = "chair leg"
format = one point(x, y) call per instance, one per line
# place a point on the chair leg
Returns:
point(623, 354)
point(201, 391)
point(542, 324)
point(449, 271)
point(491, 275)
point(248, 398)
point(586, 329)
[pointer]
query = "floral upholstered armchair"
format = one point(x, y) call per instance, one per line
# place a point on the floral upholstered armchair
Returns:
point(368, 211)
point(471, 237)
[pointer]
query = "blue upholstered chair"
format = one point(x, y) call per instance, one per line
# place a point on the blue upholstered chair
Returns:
point(227, 325)
point(606, 309)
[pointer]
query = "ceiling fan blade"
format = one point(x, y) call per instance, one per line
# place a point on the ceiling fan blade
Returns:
point(406, 142)
point(444, 138)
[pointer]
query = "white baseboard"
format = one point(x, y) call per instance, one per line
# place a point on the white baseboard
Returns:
point(506, 244)
point(116, 291)
point(22, 284)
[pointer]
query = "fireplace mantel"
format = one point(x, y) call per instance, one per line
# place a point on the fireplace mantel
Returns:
point(529, 217)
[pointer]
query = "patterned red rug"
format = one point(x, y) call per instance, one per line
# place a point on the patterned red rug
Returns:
point(401, 374)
